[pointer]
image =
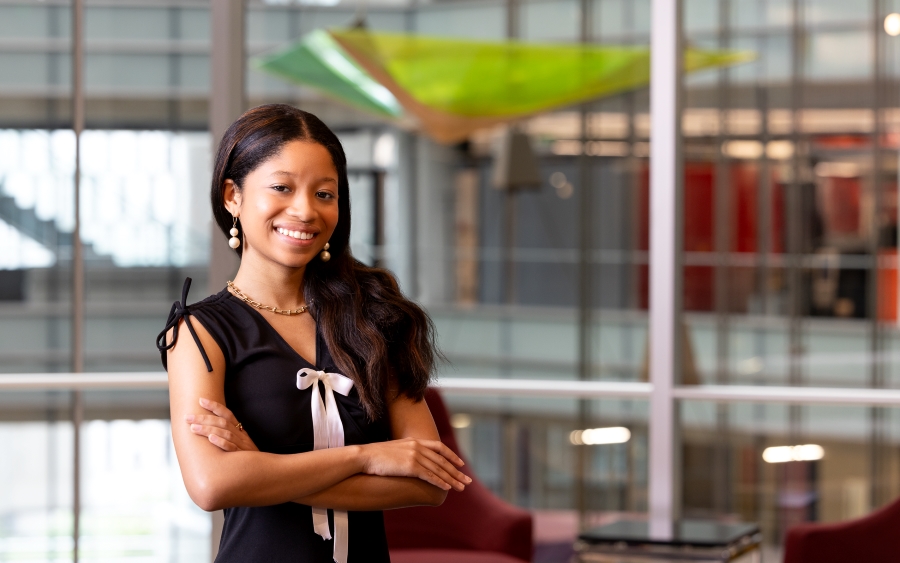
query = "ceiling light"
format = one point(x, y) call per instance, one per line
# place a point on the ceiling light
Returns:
point(783, 454)
point(460, 420)
point(743, 149)
point(892, 24)
point(779, 150)
point(596, 436)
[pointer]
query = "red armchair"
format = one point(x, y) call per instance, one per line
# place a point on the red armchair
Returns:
point(873, 539)
point(470, 527)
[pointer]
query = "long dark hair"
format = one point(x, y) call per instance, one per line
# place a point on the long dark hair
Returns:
point(372, 330)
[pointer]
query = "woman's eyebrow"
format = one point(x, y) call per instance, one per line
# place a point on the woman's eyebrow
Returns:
point(292, 175)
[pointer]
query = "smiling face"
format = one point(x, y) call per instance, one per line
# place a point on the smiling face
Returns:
point(288, 205)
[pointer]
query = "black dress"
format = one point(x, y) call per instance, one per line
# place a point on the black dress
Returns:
point(261, 390)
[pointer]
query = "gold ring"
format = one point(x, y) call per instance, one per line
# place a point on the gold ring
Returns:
point(239, 426)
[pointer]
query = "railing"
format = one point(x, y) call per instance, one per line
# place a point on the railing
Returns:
point(509, 387)
point(571, 389)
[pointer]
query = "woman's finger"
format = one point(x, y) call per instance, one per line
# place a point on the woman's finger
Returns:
point(446, 467)
point(429, 476)
point(206, 430)
point(222, 443)
point(435, 469)
point(438, 464)
point(240, 441)
point(215, 407)
point(443, 450)
point(208, 420)
point(219, 410)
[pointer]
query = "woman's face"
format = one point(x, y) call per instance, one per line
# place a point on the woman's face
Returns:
point(288, 205)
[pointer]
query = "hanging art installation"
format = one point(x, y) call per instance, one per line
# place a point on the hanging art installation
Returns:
point(449, 87)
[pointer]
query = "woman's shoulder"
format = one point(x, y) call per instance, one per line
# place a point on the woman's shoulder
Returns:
point(214, 302)
point(180, 312)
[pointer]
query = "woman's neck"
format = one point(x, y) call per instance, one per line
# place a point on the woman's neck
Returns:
point(270, 284)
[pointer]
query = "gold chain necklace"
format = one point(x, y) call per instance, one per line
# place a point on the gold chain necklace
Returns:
point(240, 295)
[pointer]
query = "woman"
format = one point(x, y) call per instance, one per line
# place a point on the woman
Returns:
point(321, 361)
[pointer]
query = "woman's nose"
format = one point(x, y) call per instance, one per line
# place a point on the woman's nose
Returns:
point(302, 207)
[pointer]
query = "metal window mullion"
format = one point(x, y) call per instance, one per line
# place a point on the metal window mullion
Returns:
point(77, 267)
point(586, 319)
point(665, 273)
point(877, 415)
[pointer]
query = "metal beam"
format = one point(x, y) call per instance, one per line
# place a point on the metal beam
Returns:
point(665, 271)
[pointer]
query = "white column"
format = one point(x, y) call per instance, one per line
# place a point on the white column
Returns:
point(226, 103)
point(665, 271)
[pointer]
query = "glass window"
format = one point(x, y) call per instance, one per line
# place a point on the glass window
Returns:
point(783, 465)
point(479, 20)
point(37, 511)
point(701, 16)
point(550, 21)
point(621, 20)
point(763, 15)
point(835, 11)
point(841, 55)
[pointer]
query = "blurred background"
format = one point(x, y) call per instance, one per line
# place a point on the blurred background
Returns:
point(537, 270)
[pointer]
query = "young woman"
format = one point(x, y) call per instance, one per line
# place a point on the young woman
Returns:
point(296, 401)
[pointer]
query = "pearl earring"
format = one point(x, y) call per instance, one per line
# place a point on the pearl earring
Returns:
point(325, 255)
point(234, 241)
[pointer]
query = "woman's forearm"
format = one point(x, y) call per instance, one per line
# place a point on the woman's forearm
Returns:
point(248, 478)
point(371, 492)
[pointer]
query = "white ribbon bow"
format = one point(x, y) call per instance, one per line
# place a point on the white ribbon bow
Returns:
point(328, 432)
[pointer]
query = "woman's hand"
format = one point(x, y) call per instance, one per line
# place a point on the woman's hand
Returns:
point(221, 428)
point(428, 460)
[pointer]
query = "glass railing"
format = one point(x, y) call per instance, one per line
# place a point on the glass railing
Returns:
point(574, 453)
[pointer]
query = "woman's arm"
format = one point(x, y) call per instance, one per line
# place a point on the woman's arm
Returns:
point(409, 420)
point(218, 479)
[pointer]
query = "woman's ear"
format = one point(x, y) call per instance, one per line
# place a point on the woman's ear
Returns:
point(232, 198)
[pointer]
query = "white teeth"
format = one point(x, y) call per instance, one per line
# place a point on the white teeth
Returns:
point(295, 234)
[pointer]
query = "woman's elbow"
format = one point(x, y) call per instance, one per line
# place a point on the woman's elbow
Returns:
point(206, 493)
point(436, 496)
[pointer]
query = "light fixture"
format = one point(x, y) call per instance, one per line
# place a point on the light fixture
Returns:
point(460, 420)
point(779, 150)
point(750, 150)
point(783, 454)
point(751, 366)
point(892, 24)
point(837, 169)
point(563, 188)
point(566, 147)
point(596, 436)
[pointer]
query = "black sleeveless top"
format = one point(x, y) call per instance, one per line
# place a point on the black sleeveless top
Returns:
point(261, 390)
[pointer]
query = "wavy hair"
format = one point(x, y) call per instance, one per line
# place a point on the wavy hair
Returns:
point(374, 333)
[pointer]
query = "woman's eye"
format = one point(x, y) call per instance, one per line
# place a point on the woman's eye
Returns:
point(324, 195)
point(280, 188)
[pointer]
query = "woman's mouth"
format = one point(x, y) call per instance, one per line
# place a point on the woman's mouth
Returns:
point(299, 235)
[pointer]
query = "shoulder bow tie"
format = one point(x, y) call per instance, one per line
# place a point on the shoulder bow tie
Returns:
point(328, 432)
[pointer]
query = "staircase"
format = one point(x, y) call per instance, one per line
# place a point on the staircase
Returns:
point(43, 231)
